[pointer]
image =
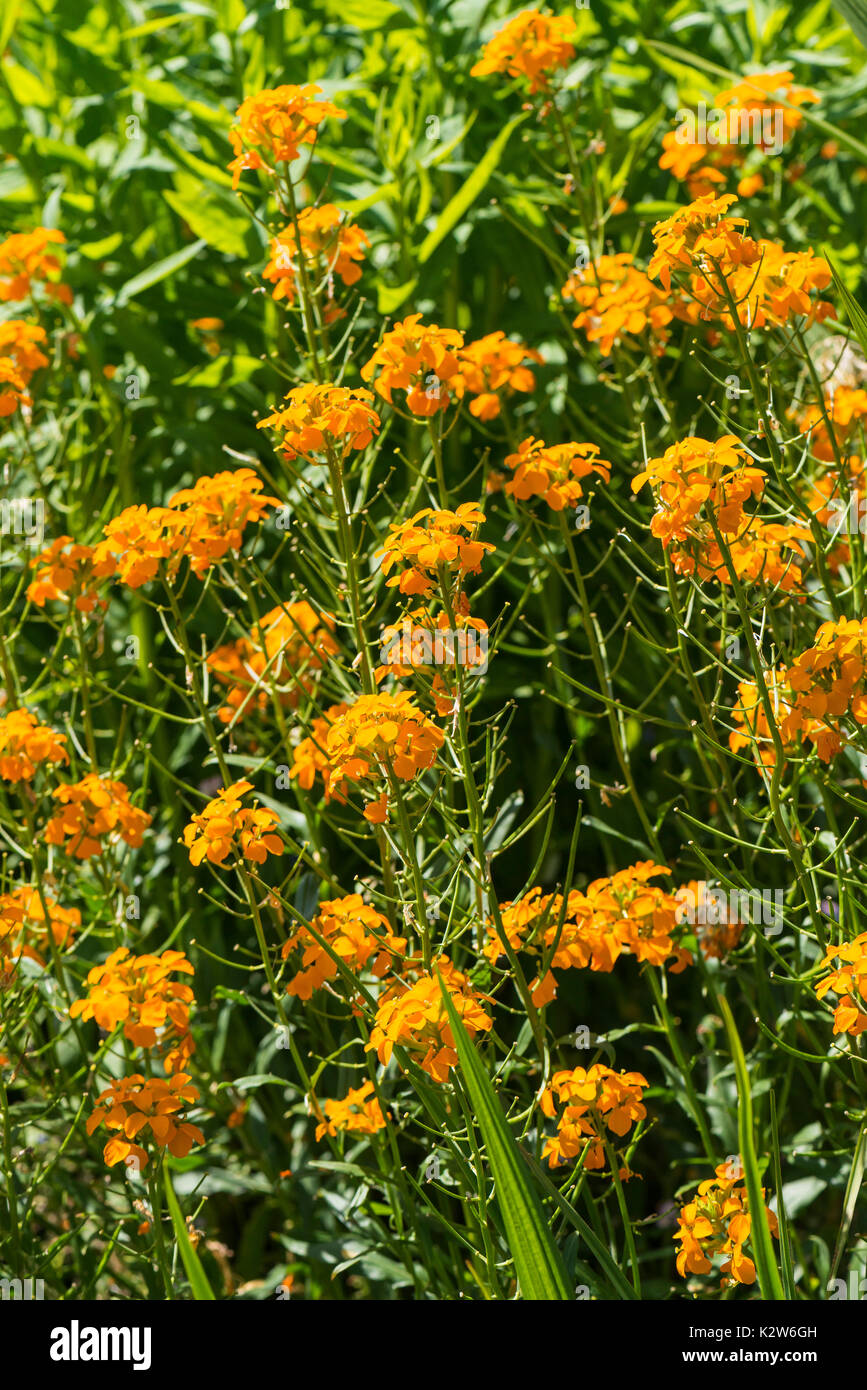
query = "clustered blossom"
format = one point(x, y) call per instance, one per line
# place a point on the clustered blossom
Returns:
point(289, 647)
point(491, 366)
point(718, 1222)
point(26, 261)
point(746, 107)
point(418, 359)
point(226, 826)
point(553, 471)
point(829, 688)
point(618, 301)
point(135, 1104)
point(71, 573)
point(532, 46)
point(363, 743)
point(272, 126)
point(20, 357)
point(358, 1113)
point(317, 420)
point(413, 1016)
point(24, 930)
point(25, 744)
point(138, 992)
point(847, 964)
point(94, 814)
point(330, 247)
point(357, 934)
point(422, 642)
point(587, 1102)
point(430, 545)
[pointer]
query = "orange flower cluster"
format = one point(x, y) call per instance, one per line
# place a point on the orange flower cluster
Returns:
point(135, 1104)
point(701, 234)
point(19, 359)
point(617, 301)
point(24, 930)
point(205, 522)
point(847, 964)
point(717, 1222)
point(323, 420)
point(430, 544)
point(586, 1102)
point(413, 1016)
point(490, 366)
point(717, 935)
point(95, 813)
point(846, 410)
point(532, 924)
point(829, 687)
point(271, 127)
point(532, 46)
point(354, 931)
point(765, 553)
point(291, 645)
point(329, 248)
point(753, 109)
point(420, 359)
point(227, 826)
point(553, 471)
point(365, 741)
point(68, 572)
point(25, 744)
point(138, 992)
point(420, 640)
point(25, 261)
point(358, 1113)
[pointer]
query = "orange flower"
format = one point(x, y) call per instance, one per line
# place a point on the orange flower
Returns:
point(225, 826)
point(272, 126)
point(289, 647)
point(137, 992)
point(542, 926)
point(323, 420)
point(94, 814)
point(586, 1102)
point(420, 641)
point(717, 1222)
point(413, 1016)
point(754, 731)
point(19, 359)
point(134, 1105)
point(430, 544)
point(490, 365)
point(25, 261)
point(375, 736)
point(848, 980)
point(354, 931)
point(829, 685)
point(310, 757)
point(419, 359)
point(25, 744)
point(618, 300)
point(23, 927)
point(697, 474)
point(358, 1113)
point(532, 46)
point(701, 235)
point(554, 471)
point(329, 248)
point(67, 571)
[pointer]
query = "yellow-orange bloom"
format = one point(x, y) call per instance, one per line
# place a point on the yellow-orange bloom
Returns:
point(587, 1102)
point(420, 359)
point(23, 927)
point(137, 991)
point(226, 825)
point(290, 645)
point(701, 235)
point(70, 572)
point(358, 1113)
point(354, 931)
point(554, 471)
point(26, 261)
point(19, 359)
point(718, 1222)
point(490, 366)
point(617, 301)
point(329, 246)
point(532, 45)
point(323, 419)
point(272, 126)
point(25, 744)
point(413, 1016)
point(134, 1105)
point(430, 544)
point(847, 964)
point(94, 814)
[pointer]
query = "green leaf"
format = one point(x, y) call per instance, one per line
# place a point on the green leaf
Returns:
point(207, 215)
point(202, 1290)
point(160, 270)
point(855, 14)
point(855, 314)
point(469, 191)
point(760, 1232)
point(538, 1263)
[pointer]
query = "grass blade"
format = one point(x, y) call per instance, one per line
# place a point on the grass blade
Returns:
point(192, 1264)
